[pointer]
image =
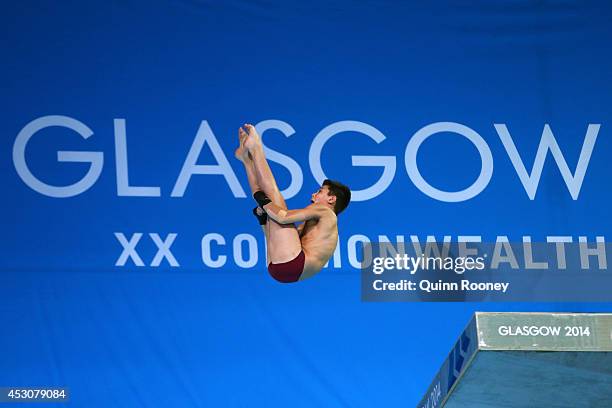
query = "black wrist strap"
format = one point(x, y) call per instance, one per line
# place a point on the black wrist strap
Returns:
point(261, 198)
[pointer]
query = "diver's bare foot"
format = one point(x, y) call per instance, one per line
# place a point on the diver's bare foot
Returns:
point(241, 152)
point(252, 140)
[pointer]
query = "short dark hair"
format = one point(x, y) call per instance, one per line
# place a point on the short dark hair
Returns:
point(341, 192)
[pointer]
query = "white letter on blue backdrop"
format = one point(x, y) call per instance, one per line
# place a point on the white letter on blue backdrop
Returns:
point(95, 159)
point(207, 250)
point(297, 177)
point(121, 160)
point(486, 158)
point(387, 162)
point(205, 134)
point(548, 142)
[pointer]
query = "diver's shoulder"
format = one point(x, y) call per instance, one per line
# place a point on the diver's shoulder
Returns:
point(328, 213)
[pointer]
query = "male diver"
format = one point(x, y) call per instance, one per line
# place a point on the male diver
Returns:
point(293, 254)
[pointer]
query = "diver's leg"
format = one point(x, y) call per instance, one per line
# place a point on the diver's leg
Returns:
point(283, 239)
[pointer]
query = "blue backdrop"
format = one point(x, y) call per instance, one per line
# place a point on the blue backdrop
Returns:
point(146, 98)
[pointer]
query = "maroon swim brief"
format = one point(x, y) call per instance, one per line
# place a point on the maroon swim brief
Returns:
point(287, 272)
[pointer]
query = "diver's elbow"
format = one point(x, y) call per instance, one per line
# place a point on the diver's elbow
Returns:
point(284, 220)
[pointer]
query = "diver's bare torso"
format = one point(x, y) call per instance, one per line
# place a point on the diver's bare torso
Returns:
point(319, 238)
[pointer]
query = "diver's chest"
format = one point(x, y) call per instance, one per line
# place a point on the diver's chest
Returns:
point(310, 227)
